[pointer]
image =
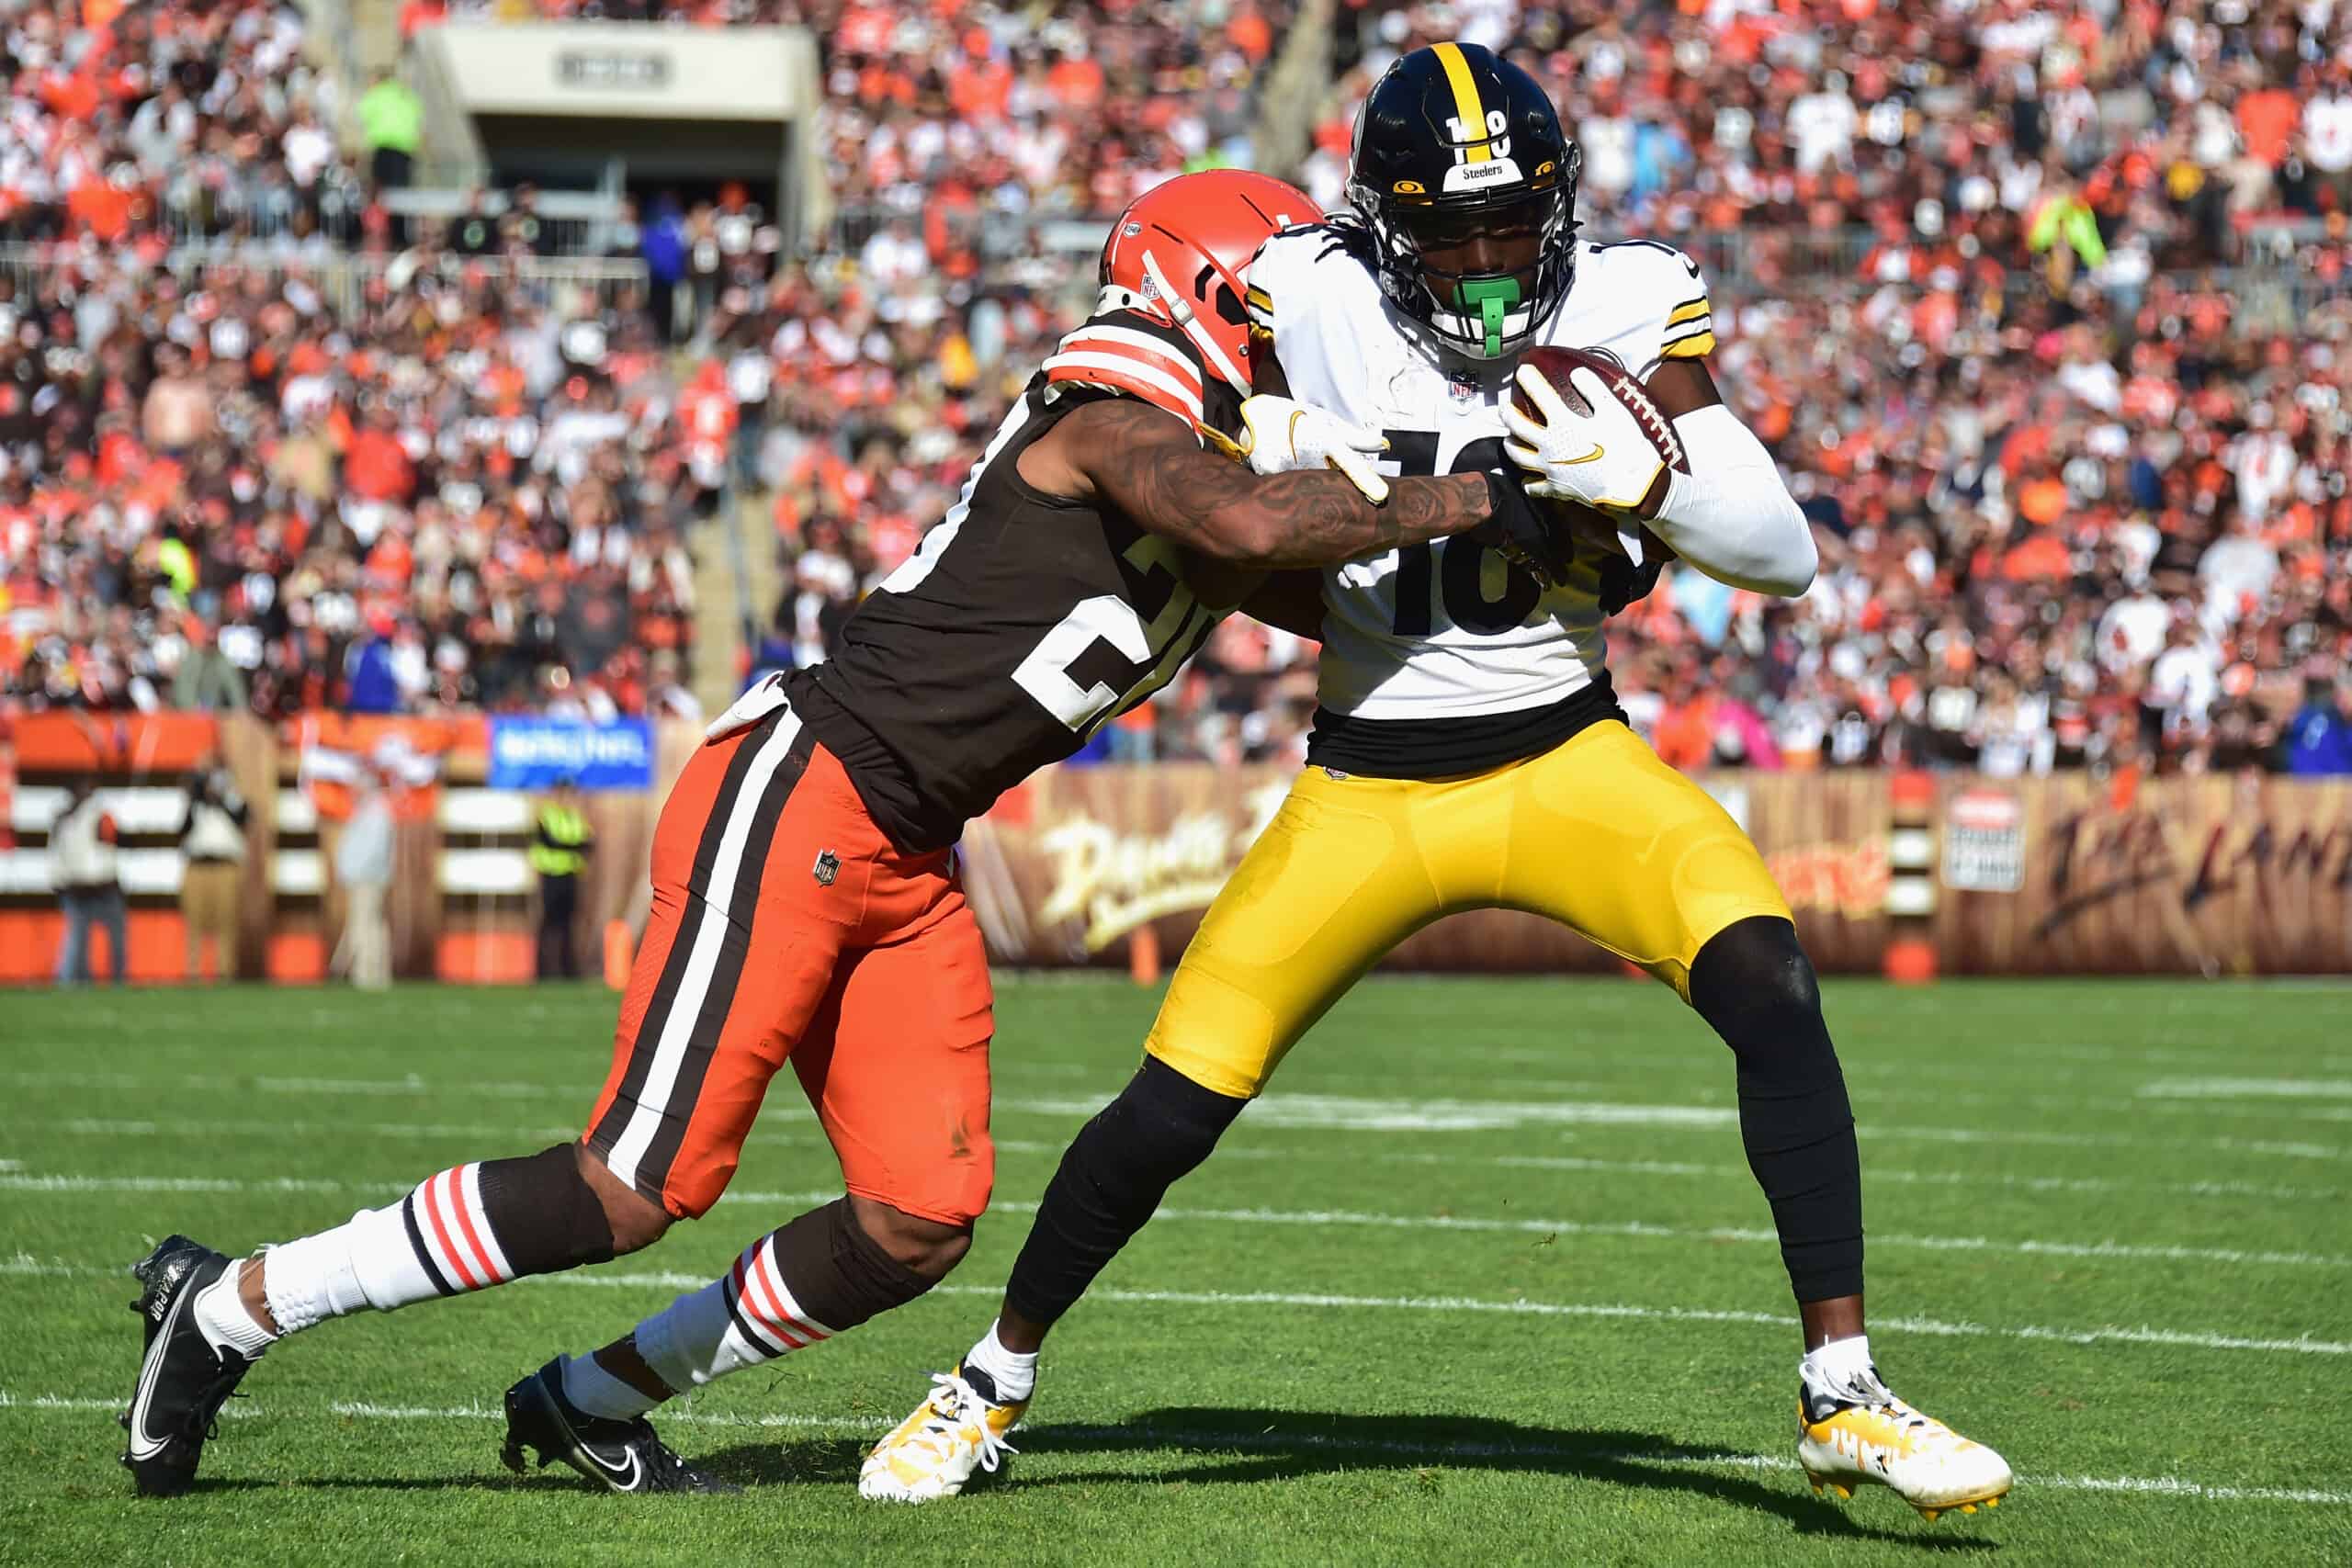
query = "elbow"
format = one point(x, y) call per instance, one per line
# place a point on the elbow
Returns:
point(1779, 557)
point(1795, 565)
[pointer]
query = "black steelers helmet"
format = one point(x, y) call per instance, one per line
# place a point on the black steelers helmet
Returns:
point(1451, 146)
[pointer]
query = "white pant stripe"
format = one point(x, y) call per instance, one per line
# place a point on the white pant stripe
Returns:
point(710, 930)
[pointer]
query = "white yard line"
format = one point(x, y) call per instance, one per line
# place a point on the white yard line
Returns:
point(1328, 1111)
point(2241, 1088)
point(1157, 1435)
point(1637, 1228)
point(58, 1183)
point(276, 1084)
point(1632, 1051)
point(1353, 1113)
point(497, 1135)
point(609, 1279)
point(501, 1135)
point(1872, 1174)
point(2147, 1103)
point(19, 1181)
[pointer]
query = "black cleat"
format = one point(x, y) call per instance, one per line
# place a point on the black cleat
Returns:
point(183, 1378)
point(625, 1456)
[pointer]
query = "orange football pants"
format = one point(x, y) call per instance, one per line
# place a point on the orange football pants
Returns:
point(786, 927)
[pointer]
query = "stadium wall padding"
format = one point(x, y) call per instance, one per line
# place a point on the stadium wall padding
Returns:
point(2063, 874)
point(2056, 876)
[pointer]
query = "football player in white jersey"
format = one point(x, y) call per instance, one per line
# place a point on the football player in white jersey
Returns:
point(1469, 752)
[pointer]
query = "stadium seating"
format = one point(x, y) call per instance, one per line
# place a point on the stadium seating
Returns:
point(455, 494)
point(2041, 310)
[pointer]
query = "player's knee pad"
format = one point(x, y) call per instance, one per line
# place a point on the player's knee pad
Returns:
point(1110, 1182)
point(1162, 1126)
point(837, 1273)
point(939, 1193)
point(545, 1216)
point(1754, 967)
point(1754, 984)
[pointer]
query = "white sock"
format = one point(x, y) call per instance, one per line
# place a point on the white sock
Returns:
point(588, 1385)
point(746, 1317)
point(434, 1242)
point(221, 1312)
point(1013, 1372)
point(1842, 1360)
point(310, 1280)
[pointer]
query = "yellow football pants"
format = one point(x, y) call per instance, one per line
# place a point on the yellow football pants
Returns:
point(1596, 833)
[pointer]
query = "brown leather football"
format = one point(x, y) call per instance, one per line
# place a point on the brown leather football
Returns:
point(1553, 363)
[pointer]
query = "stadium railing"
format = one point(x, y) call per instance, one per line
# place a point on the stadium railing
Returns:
point(555, 282)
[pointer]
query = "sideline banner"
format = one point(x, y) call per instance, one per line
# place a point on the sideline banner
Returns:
point(2180, 875)
point(1071, 863)
point(2057, 875)
point(531, 754)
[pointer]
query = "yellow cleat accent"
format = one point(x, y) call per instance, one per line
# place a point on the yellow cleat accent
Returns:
point(934, 1451)
point(1878, 1440)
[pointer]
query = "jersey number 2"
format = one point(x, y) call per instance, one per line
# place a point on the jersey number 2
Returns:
point(1456, 569)
point(1180, 627)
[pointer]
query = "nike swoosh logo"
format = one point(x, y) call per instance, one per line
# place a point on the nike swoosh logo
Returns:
point(1591, 456)
point(625, 1479)
point(142, 1446)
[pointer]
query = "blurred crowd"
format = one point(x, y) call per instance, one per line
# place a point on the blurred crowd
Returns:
point(2039, 306)
point(2106, 136)
point(459, 493)
point(135, 123)
point(2081, 504)
point(2063, 536)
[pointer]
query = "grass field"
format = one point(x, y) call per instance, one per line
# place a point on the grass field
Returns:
point(1484, 1280)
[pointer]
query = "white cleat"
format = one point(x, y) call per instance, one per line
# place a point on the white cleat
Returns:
point(1859, 1433)
point(935, 1450)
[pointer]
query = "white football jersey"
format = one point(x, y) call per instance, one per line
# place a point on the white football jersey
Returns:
point(1449, 630)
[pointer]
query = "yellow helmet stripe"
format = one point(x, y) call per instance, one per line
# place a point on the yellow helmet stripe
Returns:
point(1466, 104)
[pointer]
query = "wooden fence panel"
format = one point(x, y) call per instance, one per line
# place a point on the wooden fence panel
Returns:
point(2065, 875)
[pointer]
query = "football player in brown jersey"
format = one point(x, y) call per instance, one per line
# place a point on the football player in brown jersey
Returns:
point(806, 907)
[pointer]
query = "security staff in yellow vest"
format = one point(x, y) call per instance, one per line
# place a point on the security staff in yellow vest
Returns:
point(560, 853)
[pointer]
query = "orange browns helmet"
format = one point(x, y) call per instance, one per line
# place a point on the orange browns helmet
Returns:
point(1172, 268)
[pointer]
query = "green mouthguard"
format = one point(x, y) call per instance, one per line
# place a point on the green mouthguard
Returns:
point(1490, 297)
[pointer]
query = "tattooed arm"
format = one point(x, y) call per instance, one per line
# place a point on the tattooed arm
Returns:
point(1152, 467)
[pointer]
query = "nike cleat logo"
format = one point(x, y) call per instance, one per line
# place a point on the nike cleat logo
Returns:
point(623, 1478)
point(141, 1445)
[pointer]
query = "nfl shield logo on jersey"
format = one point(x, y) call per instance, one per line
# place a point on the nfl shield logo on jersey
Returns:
point(828, 866)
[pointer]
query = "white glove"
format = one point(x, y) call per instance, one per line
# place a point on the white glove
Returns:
point(1280, 435)
point(1603, 458)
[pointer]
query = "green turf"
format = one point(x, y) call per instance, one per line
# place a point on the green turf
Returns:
point(1435, 1145)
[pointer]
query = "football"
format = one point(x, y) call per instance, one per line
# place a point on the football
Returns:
point(1553, 363)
